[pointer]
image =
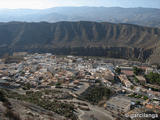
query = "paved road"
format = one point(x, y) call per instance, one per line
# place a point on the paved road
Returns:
point(82, 89)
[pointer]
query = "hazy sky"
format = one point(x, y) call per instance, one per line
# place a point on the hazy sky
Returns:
point(41, 4)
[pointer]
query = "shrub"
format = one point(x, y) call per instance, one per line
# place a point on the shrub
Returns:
point(94, 94)
point(153, 78)
point(11, 115)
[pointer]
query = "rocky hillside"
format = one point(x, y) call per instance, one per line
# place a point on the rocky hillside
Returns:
point(13, 109)
point(81, 38)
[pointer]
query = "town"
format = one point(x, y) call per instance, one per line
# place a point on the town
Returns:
point(94, 88)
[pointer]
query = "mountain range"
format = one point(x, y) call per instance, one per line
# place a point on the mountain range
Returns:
point(82, 38)
point(140, 16)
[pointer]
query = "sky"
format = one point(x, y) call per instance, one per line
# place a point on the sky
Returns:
point(42, 4)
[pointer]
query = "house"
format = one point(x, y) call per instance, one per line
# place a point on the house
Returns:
point(4, 83)
point(141, 79)
point(19, 54)
point(127, 71)
point(148, 70)
point(3, 66)
point(109, 75)
point(76, 82)
point(125, 81)
point(119, 104)
point(154, 107)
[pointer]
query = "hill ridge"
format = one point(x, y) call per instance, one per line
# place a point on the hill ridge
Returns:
point(120, 40)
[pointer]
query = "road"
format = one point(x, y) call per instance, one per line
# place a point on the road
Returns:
point(82, 88)
point(98, 112)
point(81, 114)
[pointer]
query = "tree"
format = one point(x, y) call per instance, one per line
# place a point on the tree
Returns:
point(118, 70)
point(145, 97)
point(136, 80)
point(137, 71)
point(58, 85)
point(2, 96)
point(158, 66)
point(132, 87)
point(138, 102)
point(153, 78)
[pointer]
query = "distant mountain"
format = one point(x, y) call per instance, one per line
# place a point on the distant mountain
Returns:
point(81, 38)
point(140, 16)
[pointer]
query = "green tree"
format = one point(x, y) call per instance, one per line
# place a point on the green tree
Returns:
point(145, 97)
point(136, 80)
point(118, 70)
point(58, 85)
point(153, 78)
point(2, 96)
point(137, 71)
point(158, 66)
point(138, 102)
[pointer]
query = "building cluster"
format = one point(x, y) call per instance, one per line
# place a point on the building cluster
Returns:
point(47, 70)
point(76, 74)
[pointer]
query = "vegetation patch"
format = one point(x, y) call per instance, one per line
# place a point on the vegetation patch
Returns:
point(138, 71)
point(95, 94)
point(153, 78)
point(61, 108)
point(138, 96)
